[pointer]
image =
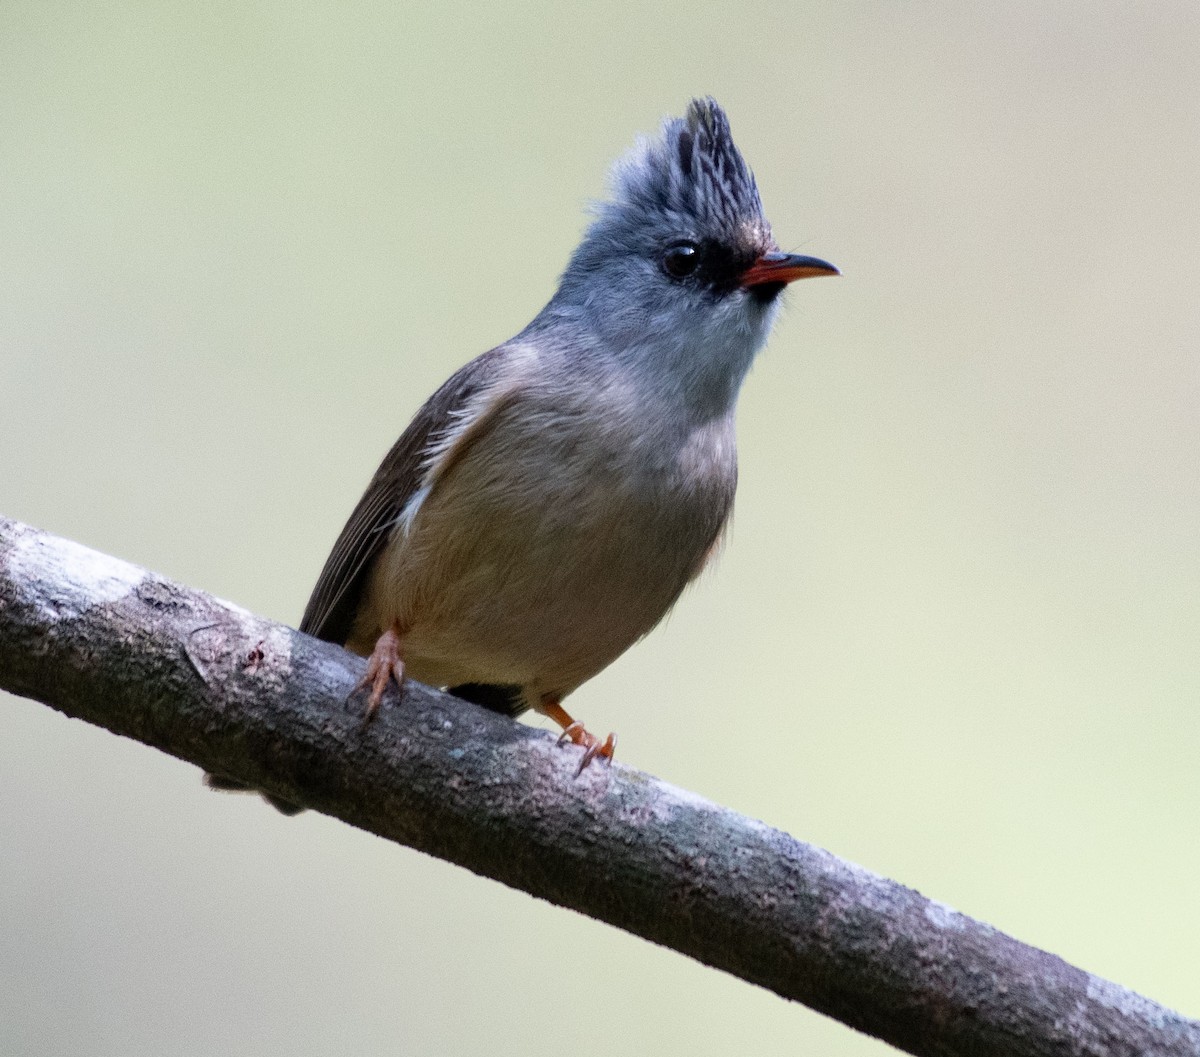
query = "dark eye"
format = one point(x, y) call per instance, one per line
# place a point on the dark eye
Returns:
point(680, 260)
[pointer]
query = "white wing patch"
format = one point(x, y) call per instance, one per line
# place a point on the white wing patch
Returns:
point(466, 423)
point(405, 520)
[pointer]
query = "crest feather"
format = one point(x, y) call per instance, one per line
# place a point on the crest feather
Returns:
point(694, 169)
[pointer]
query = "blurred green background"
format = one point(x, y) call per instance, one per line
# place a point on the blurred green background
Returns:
point(955, 636)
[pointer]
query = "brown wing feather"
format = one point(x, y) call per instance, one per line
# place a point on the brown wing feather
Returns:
point(334, 602)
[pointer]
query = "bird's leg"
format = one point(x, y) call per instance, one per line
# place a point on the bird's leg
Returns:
point(384, 665)
point(574, 732)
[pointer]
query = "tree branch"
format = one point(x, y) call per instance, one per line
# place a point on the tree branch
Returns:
point(201, 679)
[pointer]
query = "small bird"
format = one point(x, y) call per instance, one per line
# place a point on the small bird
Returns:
point(550, 502)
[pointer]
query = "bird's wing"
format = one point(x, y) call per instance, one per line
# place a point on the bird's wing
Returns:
point(406, 468)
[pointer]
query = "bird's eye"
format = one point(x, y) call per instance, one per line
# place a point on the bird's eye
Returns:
point(680, 260)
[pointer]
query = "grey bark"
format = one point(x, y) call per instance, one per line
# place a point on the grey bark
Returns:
point(208, 682)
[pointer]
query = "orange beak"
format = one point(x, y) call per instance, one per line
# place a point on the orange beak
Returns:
point(778, 267)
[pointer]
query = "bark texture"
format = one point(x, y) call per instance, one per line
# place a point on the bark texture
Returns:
point(208, 682)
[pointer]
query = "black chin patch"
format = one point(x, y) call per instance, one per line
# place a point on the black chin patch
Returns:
point(765, 293)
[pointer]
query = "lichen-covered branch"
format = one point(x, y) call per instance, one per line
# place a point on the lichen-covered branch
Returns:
point(203, 680)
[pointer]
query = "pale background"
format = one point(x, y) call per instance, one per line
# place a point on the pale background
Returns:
point(955, 636)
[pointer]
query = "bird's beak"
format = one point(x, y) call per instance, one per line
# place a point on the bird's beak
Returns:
point(777, 267)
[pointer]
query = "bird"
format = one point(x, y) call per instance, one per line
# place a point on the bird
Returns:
point(547, 506)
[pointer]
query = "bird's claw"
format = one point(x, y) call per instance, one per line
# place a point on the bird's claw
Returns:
point(383, 667)
point(592, 746)
point(572, 733)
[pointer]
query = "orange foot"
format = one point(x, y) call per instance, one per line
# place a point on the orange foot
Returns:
point(574, 732)
point(383, 666)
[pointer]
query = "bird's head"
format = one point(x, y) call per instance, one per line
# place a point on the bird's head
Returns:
point(680, 260)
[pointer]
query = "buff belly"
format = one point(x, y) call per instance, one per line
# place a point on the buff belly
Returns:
point(542, 580)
